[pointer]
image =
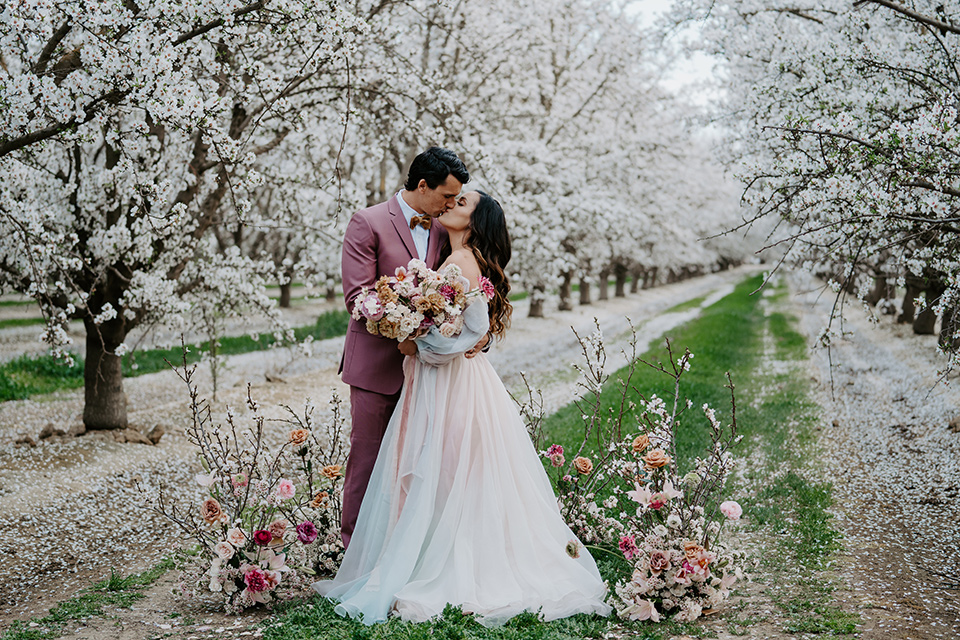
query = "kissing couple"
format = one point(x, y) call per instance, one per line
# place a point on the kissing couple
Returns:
point(445, 498)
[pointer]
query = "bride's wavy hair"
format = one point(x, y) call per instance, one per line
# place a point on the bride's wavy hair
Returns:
point(490, 243)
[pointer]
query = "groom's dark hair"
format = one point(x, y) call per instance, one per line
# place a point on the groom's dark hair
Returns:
point(434, 165)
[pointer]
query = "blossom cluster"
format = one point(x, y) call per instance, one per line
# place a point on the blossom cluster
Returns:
point(631, 500)
point(415, 299)
point(268, 521)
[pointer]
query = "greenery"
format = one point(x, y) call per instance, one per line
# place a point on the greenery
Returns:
point(20, 322)
point(32, 375)
point(115, 591)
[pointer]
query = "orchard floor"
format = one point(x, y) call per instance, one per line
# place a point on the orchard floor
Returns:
point(70, 508)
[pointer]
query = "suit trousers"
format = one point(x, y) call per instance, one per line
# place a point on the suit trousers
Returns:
point(370, 413)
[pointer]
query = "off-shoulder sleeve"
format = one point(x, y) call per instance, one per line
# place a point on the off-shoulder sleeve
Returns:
point(435, 349)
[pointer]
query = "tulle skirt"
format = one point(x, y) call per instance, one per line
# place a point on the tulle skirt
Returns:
point(460, 510)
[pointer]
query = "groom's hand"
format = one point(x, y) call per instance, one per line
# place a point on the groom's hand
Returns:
point(408, 347)
point(477, 348)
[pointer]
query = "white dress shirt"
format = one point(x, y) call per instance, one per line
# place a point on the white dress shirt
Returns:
point(421, 236)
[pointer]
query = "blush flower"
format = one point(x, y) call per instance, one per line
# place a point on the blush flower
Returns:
point(557, 460)
point(224, 550)
point(277, 528)
point(285, 489)
point(731, 509)
point(659, 562)
point(236, 537)
point(211, 511)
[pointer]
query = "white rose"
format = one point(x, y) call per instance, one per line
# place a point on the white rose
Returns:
point(448, 330)
point(236, 537)
point(224, 550)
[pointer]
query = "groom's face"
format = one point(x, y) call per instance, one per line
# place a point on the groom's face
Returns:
point(441, 199)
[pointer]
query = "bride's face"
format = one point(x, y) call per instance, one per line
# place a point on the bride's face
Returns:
point(458, 218)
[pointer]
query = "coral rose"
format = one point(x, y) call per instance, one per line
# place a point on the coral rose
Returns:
point(656, 459)
point(299, 436)
point(582, 465)
point(640, 443)
point(211, 511)
point(331, 471)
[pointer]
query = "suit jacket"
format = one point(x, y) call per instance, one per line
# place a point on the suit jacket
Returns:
point(377, 241)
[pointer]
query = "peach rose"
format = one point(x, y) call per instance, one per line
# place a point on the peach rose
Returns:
point(319, 500)
point(277, 528)
point(640, 443)
point(691, 550)
point(299, 436)
point(659, 562)
point(656, 459)
point(331, 471)
point(211, 511)
point(236, 537)
point(582, 465)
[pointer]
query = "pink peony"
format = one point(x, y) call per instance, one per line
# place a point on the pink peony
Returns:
point(262, 537)
point(486, 287)
point(285, 489)
point(554, 450)
point(731, 509)
point(628, 546)
point(255, 580)
point(306, 532)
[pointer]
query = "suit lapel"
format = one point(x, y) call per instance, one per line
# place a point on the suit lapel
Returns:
point(433, 244)
point(402, 227)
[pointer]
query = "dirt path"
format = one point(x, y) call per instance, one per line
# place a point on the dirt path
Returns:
point(70, 508)
point(895, 467)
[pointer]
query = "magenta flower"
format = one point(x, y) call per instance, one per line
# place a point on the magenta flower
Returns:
point(448, 292)
point(554, 450)
point(306, 532)
point(628, 546)
point(262, 537)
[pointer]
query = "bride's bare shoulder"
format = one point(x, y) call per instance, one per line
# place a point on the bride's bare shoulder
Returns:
point(465, 259)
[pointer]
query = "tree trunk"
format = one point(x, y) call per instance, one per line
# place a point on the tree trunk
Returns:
point(105, 403)
point(604, 293)
point(584, 291)
point(909, 309)
point(285, 296)
point(950, 329)
point(650, 277)
point(331, 294)
point(536, 303)
point(566, 303)
point(636, 274)
point(620, 273)
point(925, 322)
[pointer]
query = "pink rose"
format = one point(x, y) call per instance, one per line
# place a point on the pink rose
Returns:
point(224, 550)
point(628, 546)
point(285, 489)
point(659, 562)
point(731, 509)
point(262, 537)
point(277, 528)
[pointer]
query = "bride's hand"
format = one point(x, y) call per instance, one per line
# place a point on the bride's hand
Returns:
point(408, 347)
point(477, 348)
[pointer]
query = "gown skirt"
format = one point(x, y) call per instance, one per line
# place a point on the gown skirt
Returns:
point(459, 508)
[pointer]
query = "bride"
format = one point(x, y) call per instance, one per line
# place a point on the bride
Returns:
point(459, 509)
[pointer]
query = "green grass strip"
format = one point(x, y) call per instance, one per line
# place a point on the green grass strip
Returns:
point(32, 375)
point(115, 591)
point(726, 336)
point(9, 323)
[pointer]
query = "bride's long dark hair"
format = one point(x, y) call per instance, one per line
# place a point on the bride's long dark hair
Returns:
point(490, 243)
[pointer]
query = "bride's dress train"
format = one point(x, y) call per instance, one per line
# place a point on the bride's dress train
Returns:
point(459, 508)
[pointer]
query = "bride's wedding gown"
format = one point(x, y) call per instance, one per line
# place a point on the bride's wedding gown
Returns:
point(459, 508)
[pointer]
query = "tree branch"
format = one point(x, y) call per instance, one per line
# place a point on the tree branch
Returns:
point(913, 15)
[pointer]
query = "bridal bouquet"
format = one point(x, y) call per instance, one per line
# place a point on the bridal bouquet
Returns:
point(415, 299)
point(267, 521)
point(623, 493)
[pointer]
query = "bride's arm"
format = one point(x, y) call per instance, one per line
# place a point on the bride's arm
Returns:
point(435, 349)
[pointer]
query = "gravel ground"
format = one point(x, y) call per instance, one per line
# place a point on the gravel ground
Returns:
point(895, 465)
point(70, 507)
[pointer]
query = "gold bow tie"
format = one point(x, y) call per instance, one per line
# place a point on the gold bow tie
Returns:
point(423, 221)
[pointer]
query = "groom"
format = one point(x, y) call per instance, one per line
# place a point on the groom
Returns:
point(377, 241)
